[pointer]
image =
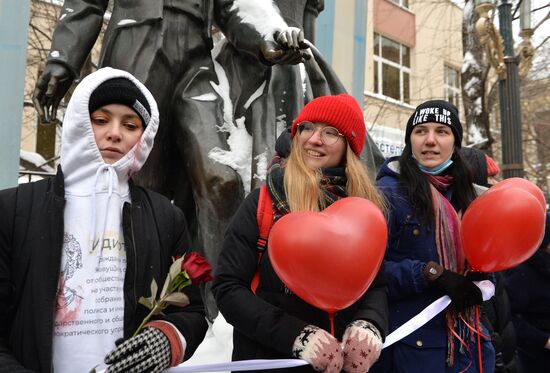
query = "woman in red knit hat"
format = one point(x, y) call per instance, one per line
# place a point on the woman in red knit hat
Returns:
point(323, 166)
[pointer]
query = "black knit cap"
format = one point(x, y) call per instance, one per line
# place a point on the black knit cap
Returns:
point(477, 161)
point(121, 91)
point(438, 111)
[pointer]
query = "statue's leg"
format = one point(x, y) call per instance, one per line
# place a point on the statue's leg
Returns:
point(217, 188)
point(248, 81)
point(172, 59)
point(146, 51)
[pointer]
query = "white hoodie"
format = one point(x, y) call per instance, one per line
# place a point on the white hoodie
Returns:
point(90, 299)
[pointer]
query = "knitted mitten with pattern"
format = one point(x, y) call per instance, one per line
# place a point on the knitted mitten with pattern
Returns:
point(320, 349)
point(362, 345)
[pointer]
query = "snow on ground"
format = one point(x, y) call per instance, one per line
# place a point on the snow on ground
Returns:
point(217, 345)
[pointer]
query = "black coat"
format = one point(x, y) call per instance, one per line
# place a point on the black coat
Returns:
point(31, 237)
point(266, 325)
point(527, 286)
point(497, 316)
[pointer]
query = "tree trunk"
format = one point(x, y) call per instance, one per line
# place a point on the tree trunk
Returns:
point(473, 81)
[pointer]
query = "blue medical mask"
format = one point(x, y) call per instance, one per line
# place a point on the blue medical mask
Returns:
point(436, 170)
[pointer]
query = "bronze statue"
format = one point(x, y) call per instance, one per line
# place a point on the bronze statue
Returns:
point(166, 45)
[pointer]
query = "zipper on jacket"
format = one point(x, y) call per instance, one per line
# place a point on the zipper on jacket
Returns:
point(286, 290)
point(135, 253)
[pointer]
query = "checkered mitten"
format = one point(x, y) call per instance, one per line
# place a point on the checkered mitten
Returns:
point(152, 350)
point(318, 348)
point(362, 345)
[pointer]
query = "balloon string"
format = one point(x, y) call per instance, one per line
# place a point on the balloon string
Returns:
point(479, 334)
point(331, 319)
point(478, 340)
point(475, 330)
point(465, 345)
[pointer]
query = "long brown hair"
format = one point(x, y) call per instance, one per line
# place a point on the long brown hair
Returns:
point(302, 184)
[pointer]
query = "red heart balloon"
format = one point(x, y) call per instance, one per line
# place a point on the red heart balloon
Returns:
point(517, 182)
point(501, 229)
point(329, 258)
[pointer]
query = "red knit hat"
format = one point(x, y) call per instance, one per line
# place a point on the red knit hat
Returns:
point(492, 167)
point(342, 112)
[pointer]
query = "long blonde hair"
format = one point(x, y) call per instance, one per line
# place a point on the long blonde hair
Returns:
point(302, 184)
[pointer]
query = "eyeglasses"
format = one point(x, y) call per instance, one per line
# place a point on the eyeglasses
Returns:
point(329, 135)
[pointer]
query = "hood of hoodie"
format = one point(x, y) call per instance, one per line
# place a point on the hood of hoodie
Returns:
point(80, 157)
point(389, 168)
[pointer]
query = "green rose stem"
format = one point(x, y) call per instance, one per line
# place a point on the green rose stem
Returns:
point(176, 279)
point(156, 309)
point(171, 294)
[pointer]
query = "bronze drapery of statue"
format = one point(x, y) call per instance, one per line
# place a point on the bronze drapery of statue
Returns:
point(268, 97)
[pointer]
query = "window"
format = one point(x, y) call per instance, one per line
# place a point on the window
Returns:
point(403, 3)
point(392, 69)
point(451, 86)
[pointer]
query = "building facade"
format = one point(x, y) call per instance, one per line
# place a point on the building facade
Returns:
point(413, 53)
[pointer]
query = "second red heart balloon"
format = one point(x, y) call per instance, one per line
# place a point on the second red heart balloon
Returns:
point(502, 228)
point(517, 182)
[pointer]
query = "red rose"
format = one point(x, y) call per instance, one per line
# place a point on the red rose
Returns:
point(197, 268)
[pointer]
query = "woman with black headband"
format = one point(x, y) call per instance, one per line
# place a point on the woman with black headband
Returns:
point(427, 189)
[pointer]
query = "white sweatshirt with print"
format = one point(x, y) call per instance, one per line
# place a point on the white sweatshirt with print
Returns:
point(90, 299)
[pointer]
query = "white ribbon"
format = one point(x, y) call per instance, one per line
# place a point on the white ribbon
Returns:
point(487, 290)
point(240, 365)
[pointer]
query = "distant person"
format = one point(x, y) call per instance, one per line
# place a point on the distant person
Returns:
point(427, 188)
point(484, 168)
point(492, 170)
point(323, 167)
point(528, 287)
point(79, 249)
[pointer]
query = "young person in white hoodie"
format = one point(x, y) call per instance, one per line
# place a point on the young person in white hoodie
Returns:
point(78, 250)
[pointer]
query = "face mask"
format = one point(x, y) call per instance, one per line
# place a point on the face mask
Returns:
point(436, 170)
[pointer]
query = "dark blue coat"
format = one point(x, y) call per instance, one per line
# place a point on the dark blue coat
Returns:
point(410, 246)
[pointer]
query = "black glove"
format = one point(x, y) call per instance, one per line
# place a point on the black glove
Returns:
point(148, 351)
point(462, 291)
point(477, 276)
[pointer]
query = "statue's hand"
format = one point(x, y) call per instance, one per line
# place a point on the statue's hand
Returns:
point(292, 38)
point(50, 89)
point(289, 48)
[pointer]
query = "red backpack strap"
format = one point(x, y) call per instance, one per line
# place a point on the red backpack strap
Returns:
point(264, 216)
